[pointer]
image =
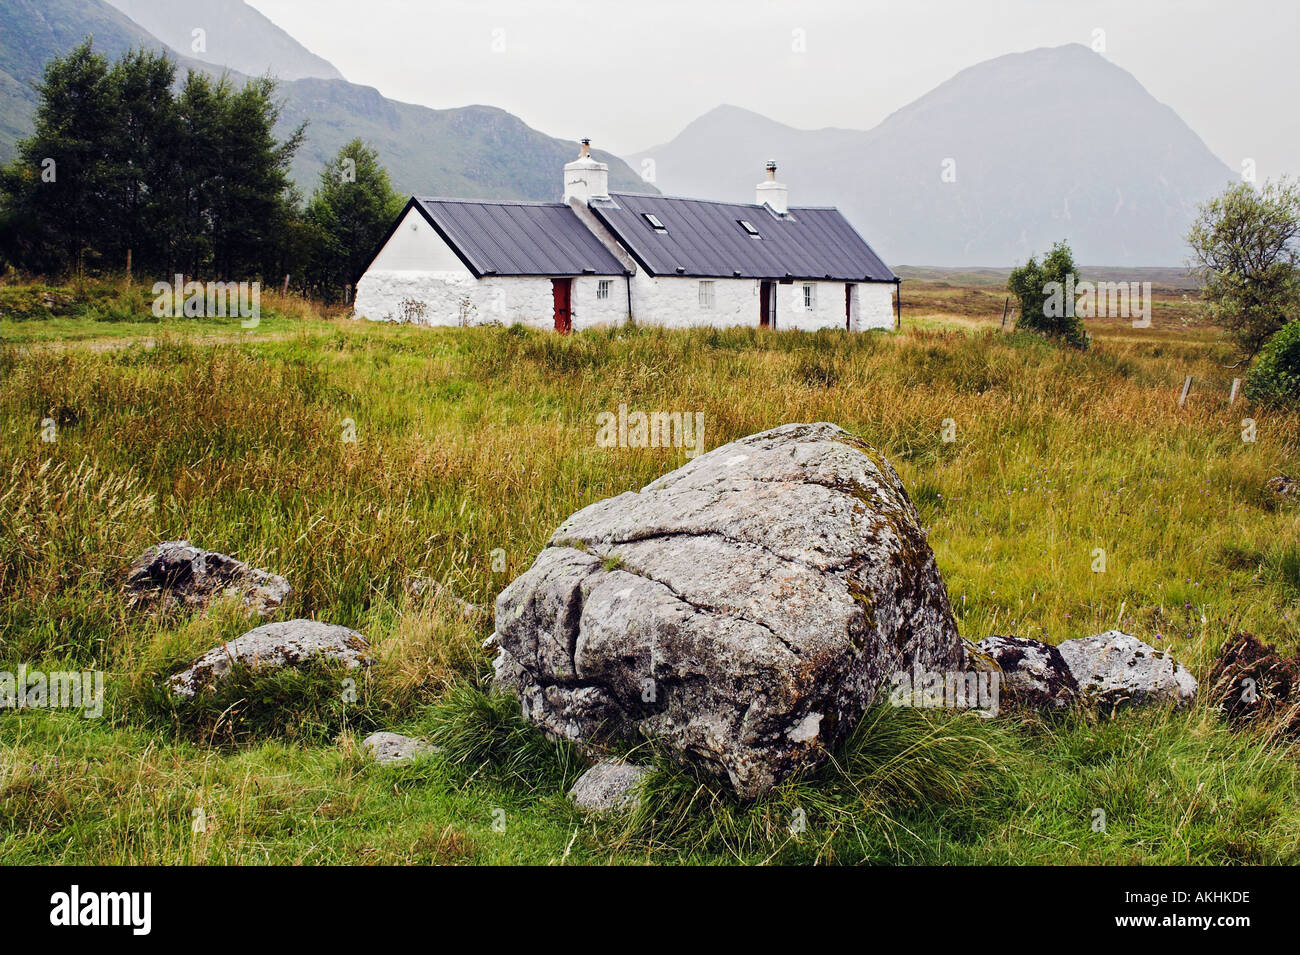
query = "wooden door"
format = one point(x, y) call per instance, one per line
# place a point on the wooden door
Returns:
point(562, 292)
point(848, 307)
point(766, 305)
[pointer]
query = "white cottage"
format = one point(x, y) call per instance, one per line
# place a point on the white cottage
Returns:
point(602, 258)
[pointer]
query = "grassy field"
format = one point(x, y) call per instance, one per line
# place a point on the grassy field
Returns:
point(472, 445)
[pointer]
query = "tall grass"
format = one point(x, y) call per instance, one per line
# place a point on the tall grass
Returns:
point(472, 445)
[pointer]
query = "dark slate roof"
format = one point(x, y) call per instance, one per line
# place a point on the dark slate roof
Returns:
point(518, 238)
point(704, 239)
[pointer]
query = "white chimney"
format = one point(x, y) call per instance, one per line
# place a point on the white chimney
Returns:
point(774, 193)
point(584, 178)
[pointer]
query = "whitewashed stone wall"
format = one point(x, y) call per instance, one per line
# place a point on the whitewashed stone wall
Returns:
point(875, 305)
point(450, 298)
point(673, 302)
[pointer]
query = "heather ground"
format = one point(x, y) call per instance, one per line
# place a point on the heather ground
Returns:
point(473, 444)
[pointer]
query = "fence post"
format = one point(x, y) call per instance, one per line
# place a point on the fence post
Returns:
point(1187, 386)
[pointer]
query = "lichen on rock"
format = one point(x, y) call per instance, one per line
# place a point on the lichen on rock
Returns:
point(761, 595)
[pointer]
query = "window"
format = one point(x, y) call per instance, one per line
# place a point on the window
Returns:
point(749, 228)
point(809, 297)
point(654, 222)
point(706, 295)
point(602, 289)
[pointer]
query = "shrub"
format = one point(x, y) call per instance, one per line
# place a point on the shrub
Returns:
point(22, 303)
point(1275, 377)
point(1045, 305)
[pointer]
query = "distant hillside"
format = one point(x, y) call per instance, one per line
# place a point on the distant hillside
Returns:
point(35, 30)
point(236, 36)
point(477, 152)
point(1050, 144)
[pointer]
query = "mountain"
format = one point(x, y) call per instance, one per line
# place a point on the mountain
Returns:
point(35, 30)
point(478, 152)
point(1055, 143)
point(234, 34)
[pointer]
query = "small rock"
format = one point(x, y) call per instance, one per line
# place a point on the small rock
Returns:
point(390, 748)
point(1114, 668)
point(417, 587)
point(1033, 673)
point(274, 645)
point(609, 786)
point(179, 572)
point(1284, 486)
point(1250, 682)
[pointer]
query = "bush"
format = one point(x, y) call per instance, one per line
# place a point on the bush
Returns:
point(1044, 293)
point(1275, 377)
point(22, 303)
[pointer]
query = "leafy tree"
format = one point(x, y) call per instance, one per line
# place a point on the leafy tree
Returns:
point(1045, 293)
point(1275, 377)
point(58, 189)
point(138, 162)
point(118, 160)
point(1244, 247)
point(350, 213)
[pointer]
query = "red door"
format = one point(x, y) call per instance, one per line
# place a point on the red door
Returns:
point(766, 305)
point(562, 291)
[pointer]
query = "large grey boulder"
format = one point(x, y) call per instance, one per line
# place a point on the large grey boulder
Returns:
point(1113, 668)
point(1034, 674)
point(288, 643)
point(742, 610)
point(179, 572)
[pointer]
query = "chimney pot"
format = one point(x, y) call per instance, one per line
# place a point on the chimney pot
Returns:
point(771, 192)
point(585, 149)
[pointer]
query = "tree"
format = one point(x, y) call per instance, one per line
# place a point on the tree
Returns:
point(119, 161)
point(1244, 247)
point(1274, 379)
point(58, 190)
point(351, 211)
point(1045, 293)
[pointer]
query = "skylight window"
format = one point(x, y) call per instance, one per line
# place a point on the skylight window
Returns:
point(654, 222)
point(749, 228)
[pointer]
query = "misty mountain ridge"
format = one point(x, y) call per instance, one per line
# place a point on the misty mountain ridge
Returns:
point(234, 35)
point(476, 152)
point(1055, 143)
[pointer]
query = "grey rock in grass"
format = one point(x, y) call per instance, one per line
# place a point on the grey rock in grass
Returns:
point(1284, 486)
point(1034, 673)
point(273, 645)
point(609, 786)
point(179, 572)
point(742, 610)
point(390, 748)
point(419, 587)
point(1114, 668)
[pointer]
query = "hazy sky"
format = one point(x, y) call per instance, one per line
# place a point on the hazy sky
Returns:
point(631, 74)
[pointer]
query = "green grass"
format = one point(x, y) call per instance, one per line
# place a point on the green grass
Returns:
point(472, 445)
